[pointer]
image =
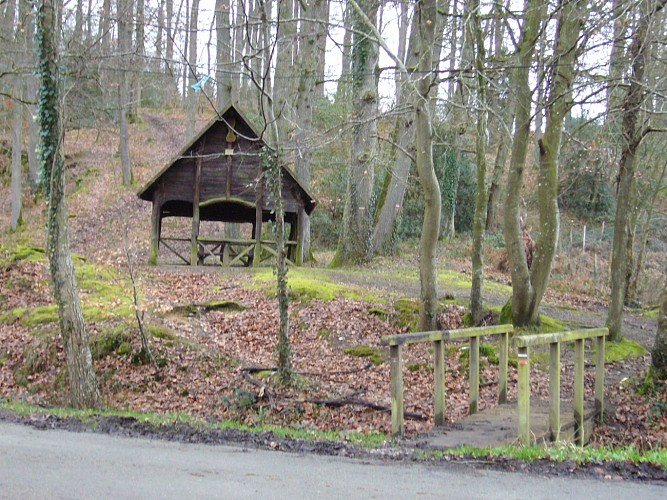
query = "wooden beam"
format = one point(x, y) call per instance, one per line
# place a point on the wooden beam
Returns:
point(259, 204)
point(432, 336)
point(297, 232)
point(554, 391)
point(523, 368)
point(579, 392)
point(473, 369)
point(396, 366)
point(439, 381)
point(194, 245)
point(502, 367)
point(549, 338)
point(156, 226)
point(599, 378)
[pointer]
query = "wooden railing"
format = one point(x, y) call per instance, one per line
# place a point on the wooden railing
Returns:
point(438, 338)
point(240, 251)
point(555, 340)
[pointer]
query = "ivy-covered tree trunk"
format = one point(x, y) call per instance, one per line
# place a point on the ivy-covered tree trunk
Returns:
point(632, 136)
point(82, 380)
point(425, 15)
point(272, 171)
point(355, 244)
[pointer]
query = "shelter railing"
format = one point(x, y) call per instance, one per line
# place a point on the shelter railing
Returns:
point(439, 338)
point(240, 251)
point(554, 340)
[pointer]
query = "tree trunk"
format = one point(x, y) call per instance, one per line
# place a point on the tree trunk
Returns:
point(355, 244)
point(31, 89)
point(138, 59)
point(313, 30)
point(395, 184)
point(558, 105)
point(283, 90)
point(425, 15)
point(659, 352)
point(638, 53)
point(192, 94)
point(521, 287)
point(17, 151)
point(492, 222)
point(343, 84)
point(239, 41)
point(223, 55)
point(479, 218)
point(639, 265)
point(83, 383)
point(124, 43)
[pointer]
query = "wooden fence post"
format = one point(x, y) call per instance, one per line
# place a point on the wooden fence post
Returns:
point(473, 400)
point(524, 395)
point(579, 391)
point(439, 380)
point(599, 378)
point(554, 391)
point(502, 368)
point(396, 365)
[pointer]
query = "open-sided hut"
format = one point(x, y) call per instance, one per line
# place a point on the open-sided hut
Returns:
point(217, 176)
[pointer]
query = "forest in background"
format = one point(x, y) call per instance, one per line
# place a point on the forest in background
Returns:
point(553, 107)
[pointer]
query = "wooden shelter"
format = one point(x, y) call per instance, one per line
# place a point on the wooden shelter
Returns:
point(217, 176)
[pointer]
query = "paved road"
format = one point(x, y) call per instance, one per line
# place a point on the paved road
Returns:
point(61, 464)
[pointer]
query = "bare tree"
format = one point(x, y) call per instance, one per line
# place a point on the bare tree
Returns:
point(632, 135)
point(426, 13)
point(124, 12)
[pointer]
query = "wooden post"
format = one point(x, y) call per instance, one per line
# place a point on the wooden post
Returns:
point(554, 391)
point(156, 226)
point(396, 365)
point(579, 391)
point(298, 255)
point(259, 201)
point(473, 369)
point(502, 368)
point(439, 380)
point(599, 378)
point(194, 244)
point(524, 395)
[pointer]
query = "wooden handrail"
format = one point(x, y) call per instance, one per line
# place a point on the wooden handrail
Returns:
point(554, 340)
point(438, 338)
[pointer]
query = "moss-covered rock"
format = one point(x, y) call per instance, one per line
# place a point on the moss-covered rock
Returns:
point(623, 349)
point(407, 313)
point(364, 351)
point(113, 341)
point(28, 253)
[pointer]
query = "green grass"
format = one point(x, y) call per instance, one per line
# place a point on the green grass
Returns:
point(561, 452)
point(366, 440)
point(558, 452)
point(623, 349)
point(105, 292)
point(310, 283)
point(364, 351)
